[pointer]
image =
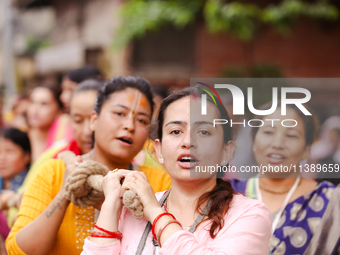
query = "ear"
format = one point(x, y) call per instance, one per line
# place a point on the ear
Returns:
point(228, 152)
point(93, 121)
point(158, 149)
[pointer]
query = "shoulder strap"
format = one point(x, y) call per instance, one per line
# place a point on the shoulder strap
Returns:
point(148, 227)
point(200, 217)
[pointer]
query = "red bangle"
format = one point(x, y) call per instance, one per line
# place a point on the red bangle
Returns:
point(116, 234)
point(155, 222)
point(100, 233)
point(160, 231)
point(102, 236)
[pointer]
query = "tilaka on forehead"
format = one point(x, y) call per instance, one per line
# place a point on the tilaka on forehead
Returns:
point(143, 101)
point(130, 98)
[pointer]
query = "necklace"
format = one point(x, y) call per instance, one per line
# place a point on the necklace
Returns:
point(167, 201)
point(167, 208)
point(270, 190)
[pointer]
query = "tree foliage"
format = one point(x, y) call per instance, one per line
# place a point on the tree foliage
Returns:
point(240, 19)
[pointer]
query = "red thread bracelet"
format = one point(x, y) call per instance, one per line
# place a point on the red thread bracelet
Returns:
point(116, 234)
point(102, 236)
point(160, 231)
point(100, 233)
point(155, 222)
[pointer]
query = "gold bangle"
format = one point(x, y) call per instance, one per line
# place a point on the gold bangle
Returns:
point(160, 231)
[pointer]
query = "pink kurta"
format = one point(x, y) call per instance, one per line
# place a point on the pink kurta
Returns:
point(247, 230)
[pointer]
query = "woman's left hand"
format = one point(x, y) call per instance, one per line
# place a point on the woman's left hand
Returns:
point(138, 182)
point(5, 196)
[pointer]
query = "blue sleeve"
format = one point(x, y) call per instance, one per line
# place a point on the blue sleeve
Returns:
point(238, 185)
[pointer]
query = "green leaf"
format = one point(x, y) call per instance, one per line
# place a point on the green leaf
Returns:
point(242, 20)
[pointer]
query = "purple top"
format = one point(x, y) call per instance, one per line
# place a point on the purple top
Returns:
point(4, 229)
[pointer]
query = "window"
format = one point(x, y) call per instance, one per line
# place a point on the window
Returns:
point(169, 50)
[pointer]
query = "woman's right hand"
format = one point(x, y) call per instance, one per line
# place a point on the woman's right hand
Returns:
point(112, 207)
point(112, 187)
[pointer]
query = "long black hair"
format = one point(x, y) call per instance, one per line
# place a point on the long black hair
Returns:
point(222, 194)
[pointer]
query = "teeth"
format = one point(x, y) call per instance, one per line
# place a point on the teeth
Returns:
point(187, 159)
point(276, 156)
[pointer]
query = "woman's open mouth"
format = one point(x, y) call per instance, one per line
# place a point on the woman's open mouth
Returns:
point(125, 140)
point(187, 161)
point(275, 158)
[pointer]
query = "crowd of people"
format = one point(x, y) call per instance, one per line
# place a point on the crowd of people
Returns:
point(150, 140)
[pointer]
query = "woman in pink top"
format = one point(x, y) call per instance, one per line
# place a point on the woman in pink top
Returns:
point(201, 214)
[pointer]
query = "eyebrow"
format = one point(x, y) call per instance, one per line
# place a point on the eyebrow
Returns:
point(127, 108)
point(203, 123)
point(42, 101)
point(76, 114)
point(176, 122)
point(288, 128)
point(144, 114)
point(293, 128)
point(123, 106)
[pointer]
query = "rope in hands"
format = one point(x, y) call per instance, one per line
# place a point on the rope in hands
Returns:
point(83, 187)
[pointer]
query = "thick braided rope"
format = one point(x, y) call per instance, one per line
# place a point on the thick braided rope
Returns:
point(83, 186)
point(132, 202)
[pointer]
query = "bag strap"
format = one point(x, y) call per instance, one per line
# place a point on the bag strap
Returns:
point(149, 227)
point(200, 217)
